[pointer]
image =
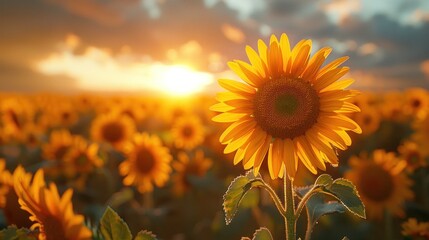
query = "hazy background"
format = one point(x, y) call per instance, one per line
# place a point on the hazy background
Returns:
point(149, 46)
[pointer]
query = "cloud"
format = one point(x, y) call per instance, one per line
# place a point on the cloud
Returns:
point(98, 70)
point(108, 13)
point(232, 33)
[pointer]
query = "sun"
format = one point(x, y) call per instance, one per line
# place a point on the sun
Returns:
point(181, 80)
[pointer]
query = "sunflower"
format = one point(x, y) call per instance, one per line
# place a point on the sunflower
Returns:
point(289, 107)
point(82, 158)
point(58, 145)
point(147, 162)
point(53, 215)
point(415, 230)
point(381, 182)
point(411, 153)
point(188, 132)
point(369, 119)
point(416, 102)
point(421, 134)
point(186, 167)
point(112, 128)
point(392, 107)
point(9, 198)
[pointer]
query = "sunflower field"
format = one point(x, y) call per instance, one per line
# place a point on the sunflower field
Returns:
point(94, 166)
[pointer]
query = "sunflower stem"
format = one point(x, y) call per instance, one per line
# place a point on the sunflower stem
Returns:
point(290, 220)
point(275, 198)
point(388, 225)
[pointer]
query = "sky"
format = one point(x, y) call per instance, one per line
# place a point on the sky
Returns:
point(182, 46)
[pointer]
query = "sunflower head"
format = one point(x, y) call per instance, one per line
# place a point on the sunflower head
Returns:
point(82, 158)
point(415, 230)
point(147, 163)
point(381, 182)
point(185, 167)
point(288, 107)
point(413, 155)
point(51, 213)
point(112, 128)
point(9, 198)
point(188, 132)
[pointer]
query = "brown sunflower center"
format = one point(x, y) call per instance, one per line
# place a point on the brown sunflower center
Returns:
point(112, 132)
point(376, 183)
point(286, 108)
point(416, 103)
point(60, 152)
point(145, 160)
point(413, 157)
point(53, 228)
point(187, 131)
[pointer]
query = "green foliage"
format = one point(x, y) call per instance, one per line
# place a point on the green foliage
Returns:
point(112, 227)
point(236, 191)
point(346, 192)
point(341, 189)
point(262, 234)
point(145, 235)
point(13, 233)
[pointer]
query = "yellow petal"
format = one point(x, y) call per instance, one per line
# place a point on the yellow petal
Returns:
point(302, 155)
point(339, 85)
point(290, 158)
point(329, 77)
point(256, 61)
point(236, 87)
point(332, 65)
point(316, 61)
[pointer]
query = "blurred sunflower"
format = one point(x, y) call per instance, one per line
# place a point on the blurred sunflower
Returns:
point(421, 134)
point(9, 198)
point(147, 162)
point(416, 102)
point(186, 167)
point(188, 132)
point(31, 134)
point(53, 215)
point(82, 158)
point(64, 115)
point(392, 107)
point(15, 112)
point(369, 119)
point(415, 230)
point(112, 128)
point(289, 107)
point(60, 142)
point(381, 182)
point(411, 153)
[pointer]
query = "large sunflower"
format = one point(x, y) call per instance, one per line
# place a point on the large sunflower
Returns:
point(53, 215)
point(9, 198)
point(289, 107)
point(147, 162)
point(381, 182)
point(188, 132)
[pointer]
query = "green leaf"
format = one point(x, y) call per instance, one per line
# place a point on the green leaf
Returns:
point(324, 180)
point(145, 235)
point(348, 195)
point(112, 227)
point(317, 206)
point(13, 233)
point(236, 191)
point(262, 234)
